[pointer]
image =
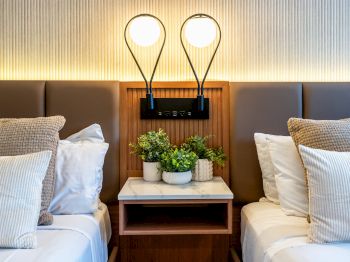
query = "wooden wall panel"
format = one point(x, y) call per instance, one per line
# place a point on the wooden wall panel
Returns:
point(113, 209)
point(132, 126)
point(269, 40)
point(235, 240)
point(172, 248)
point(184, 248)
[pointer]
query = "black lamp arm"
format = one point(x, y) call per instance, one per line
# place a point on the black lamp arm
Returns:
point(200, 86)
point(188, 56)
point(149, 93)
point(212, 58)
point(160, 53)
point(132, 53)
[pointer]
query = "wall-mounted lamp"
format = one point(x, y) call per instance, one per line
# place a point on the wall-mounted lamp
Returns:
point(200, 31)
point(145, 31)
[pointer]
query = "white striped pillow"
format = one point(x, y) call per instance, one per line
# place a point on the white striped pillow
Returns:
point(328, 174)
point(21, 179)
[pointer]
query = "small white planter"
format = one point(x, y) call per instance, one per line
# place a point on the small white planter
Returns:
point(203, 170)
point(151, 171)
point(177, 178)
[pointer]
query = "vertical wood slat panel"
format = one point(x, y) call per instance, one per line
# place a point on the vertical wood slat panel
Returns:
point(289, 40)
point(132, 126)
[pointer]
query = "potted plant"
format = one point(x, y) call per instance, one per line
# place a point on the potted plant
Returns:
point(149, 147)
point(206, 157)
point(177, 165)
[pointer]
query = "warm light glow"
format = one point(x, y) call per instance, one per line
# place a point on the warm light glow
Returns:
point(144, 30)
point(200, 32)
point(89, 44)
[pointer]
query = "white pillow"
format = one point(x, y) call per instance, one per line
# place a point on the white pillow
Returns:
point(328, 175)
point(91, 133)
point(289, 175)
point(267, 169)
point(79, 172)
point(21, 180)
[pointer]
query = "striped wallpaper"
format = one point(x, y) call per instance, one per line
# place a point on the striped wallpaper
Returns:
point(263, 40)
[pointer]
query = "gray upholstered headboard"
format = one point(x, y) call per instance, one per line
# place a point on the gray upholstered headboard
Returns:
point(255, 107)
point(266, 107)
point(82, 103)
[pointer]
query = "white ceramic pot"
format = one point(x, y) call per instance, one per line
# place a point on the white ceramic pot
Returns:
point(177, 178)
point(203, 170)
point(151, 171)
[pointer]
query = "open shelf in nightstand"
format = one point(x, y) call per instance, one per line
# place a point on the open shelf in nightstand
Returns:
point(195, 208)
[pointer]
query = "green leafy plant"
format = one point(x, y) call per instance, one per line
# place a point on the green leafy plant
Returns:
point(178, 160)
point(198, 145)
point(151, 145)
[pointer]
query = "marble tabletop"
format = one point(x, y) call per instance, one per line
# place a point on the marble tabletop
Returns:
point(136, 188)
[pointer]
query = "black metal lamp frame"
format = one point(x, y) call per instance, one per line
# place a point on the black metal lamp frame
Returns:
point(200, 85)
point(149, 93)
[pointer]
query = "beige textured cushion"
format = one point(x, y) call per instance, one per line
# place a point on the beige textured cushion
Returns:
point(20, 197)
point(328, 174)
point(331, 135)
point(30, 135)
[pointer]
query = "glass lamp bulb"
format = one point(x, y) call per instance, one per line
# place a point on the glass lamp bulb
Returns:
point(200, 32)
point(144, 30)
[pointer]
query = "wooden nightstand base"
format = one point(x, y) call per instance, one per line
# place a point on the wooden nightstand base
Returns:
point(175, 217)
point(175, 248)
point(160, 222)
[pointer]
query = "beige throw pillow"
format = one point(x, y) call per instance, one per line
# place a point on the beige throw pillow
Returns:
point(21, 180)
point(328, 175)
point(30, 135)
point(331, 135)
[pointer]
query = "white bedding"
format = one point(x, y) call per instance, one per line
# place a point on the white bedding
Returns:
point(70, 238)
point(269, 235)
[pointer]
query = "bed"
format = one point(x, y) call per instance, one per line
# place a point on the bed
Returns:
point(82, 103)
point(69, 238)
point(267, 234)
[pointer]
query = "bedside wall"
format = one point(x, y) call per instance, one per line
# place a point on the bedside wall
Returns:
point(289, 40)
point(132, 126)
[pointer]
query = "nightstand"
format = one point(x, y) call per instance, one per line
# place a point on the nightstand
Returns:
point(157, 208)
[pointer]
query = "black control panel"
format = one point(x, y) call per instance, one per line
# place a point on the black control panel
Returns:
point(174, 108)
